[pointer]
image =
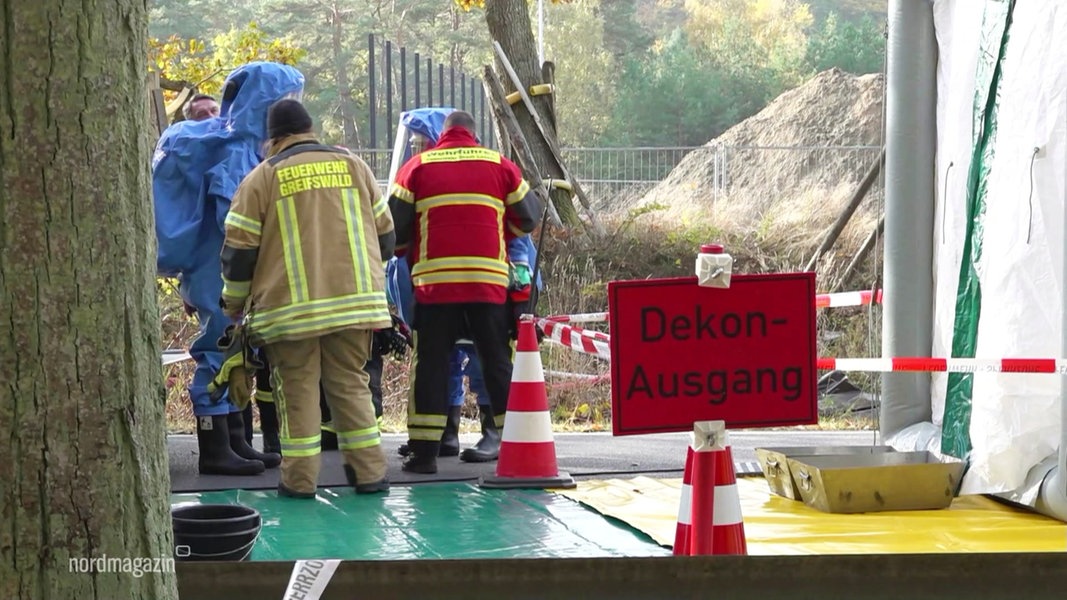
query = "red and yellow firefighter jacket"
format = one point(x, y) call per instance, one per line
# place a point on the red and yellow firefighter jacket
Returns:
point(305, 238)
point(455, 207)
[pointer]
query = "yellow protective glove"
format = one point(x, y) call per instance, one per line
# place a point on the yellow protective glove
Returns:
point(233, 377)
point(238, 365)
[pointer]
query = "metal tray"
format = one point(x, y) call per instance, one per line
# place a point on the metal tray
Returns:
point(775, 465)
point(878, 482)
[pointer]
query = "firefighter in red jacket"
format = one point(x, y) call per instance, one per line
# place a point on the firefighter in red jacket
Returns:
point(455, 208)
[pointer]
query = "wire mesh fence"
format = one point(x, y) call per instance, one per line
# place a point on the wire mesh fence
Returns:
point(622, 176)
point(379, 161)
point(611, 176)
point(399, 80)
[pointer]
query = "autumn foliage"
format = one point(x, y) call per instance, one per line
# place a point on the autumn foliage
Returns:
point(469, 4)
point(204, 65)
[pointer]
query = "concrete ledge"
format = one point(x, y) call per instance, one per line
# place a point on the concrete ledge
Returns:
point(934, 576)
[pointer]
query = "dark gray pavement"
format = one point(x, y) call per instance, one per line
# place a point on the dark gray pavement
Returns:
point(583, 455)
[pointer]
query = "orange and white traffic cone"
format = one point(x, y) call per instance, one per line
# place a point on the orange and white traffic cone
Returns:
point(718, 527)
point(728, 526)
point(527, 449)
point(685, 509)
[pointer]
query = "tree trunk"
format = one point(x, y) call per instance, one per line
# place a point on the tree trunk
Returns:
point(454, 49)
point(83, 457)
point(509, 25)
point(344, 90)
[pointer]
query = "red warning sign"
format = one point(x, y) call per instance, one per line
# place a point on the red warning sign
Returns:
point(682, 353)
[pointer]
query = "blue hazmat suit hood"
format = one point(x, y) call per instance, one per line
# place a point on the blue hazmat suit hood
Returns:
point(426, 121)
point(430, 122)
point(250, 90)
point(197, 165)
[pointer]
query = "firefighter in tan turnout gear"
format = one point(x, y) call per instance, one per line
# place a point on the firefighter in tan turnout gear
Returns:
point(302, 263)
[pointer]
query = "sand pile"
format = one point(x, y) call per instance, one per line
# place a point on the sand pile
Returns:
point(794, 164)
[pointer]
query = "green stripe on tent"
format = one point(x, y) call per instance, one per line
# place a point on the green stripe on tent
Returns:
point(996, 26)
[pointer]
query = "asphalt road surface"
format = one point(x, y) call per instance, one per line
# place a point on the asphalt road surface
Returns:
point(601, 452)
point(583, 455)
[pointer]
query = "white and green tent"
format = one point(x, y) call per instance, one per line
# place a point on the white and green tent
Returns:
point(976, 176)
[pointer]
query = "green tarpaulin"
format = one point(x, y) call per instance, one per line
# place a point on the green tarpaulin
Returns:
point(431, 521)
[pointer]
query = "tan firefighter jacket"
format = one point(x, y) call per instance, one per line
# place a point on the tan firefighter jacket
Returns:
point(305, 237)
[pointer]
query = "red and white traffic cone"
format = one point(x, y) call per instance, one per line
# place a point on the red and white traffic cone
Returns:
point(718, 526)
point(527, 450)
point(685, 509)
point(728, 526)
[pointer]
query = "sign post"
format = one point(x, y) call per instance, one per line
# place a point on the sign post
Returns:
point(682, 353)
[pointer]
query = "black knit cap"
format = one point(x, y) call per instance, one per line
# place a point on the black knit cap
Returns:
point(287, 117)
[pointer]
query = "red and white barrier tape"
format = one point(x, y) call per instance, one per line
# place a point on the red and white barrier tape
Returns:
point(599, 317)
point(942, 365)
point(842, 299)
point(171, 357)
point(847, 299)
point(567, 336)
point(589, 333)
point(580, 376)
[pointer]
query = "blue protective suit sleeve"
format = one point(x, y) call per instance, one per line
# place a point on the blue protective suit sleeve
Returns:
point(521, 251)
point(399, 290)
point(456, 393)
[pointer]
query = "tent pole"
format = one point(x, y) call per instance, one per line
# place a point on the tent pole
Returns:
point(911, 140)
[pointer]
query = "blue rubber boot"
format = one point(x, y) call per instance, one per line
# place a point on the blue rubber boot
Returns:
point(488, 448)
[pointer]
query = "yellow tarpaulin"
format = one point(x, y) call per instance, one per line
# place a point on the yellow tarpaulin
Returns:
point(779, 526)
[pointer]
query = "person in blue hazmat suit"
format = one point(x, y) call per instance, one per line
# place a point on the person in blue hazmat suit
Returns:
point(196, 169)
point(522, 255)
point(464, 360)
point(425, 125)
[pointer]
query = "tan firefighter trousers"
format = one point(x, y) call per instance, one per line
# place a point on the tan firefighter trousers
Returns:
point(297, 367)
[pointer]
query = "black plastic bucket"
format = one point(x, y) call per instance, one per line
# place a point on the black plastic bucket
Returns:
point(226, 532)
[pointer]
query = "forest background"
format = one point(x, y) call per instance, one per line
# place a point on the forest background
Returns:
point(629, 74)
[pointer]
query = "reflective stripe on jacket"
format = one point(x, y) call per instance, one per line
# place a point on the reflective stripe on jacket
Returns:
point(303, 243)
point(455, 208)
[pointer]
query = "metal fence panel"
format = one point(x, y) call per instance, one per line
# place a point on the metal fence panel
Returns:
point(391, 81)
point(613, 175)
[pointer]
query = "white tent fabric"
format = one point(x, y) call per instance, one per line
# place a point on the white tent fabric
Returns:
point(959, 30)
point(1015, 417)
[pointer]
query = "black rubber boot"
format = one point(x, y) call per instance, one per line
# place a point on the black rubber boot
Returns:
point(247, 418)
point(241, 447)
point(423, 457)
point(268, 424)
point(450, 438)
point(375, 487)
point(329, 440)
point(216, 455)
point(329, 436)
point(374, 368)
point(488, 448)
